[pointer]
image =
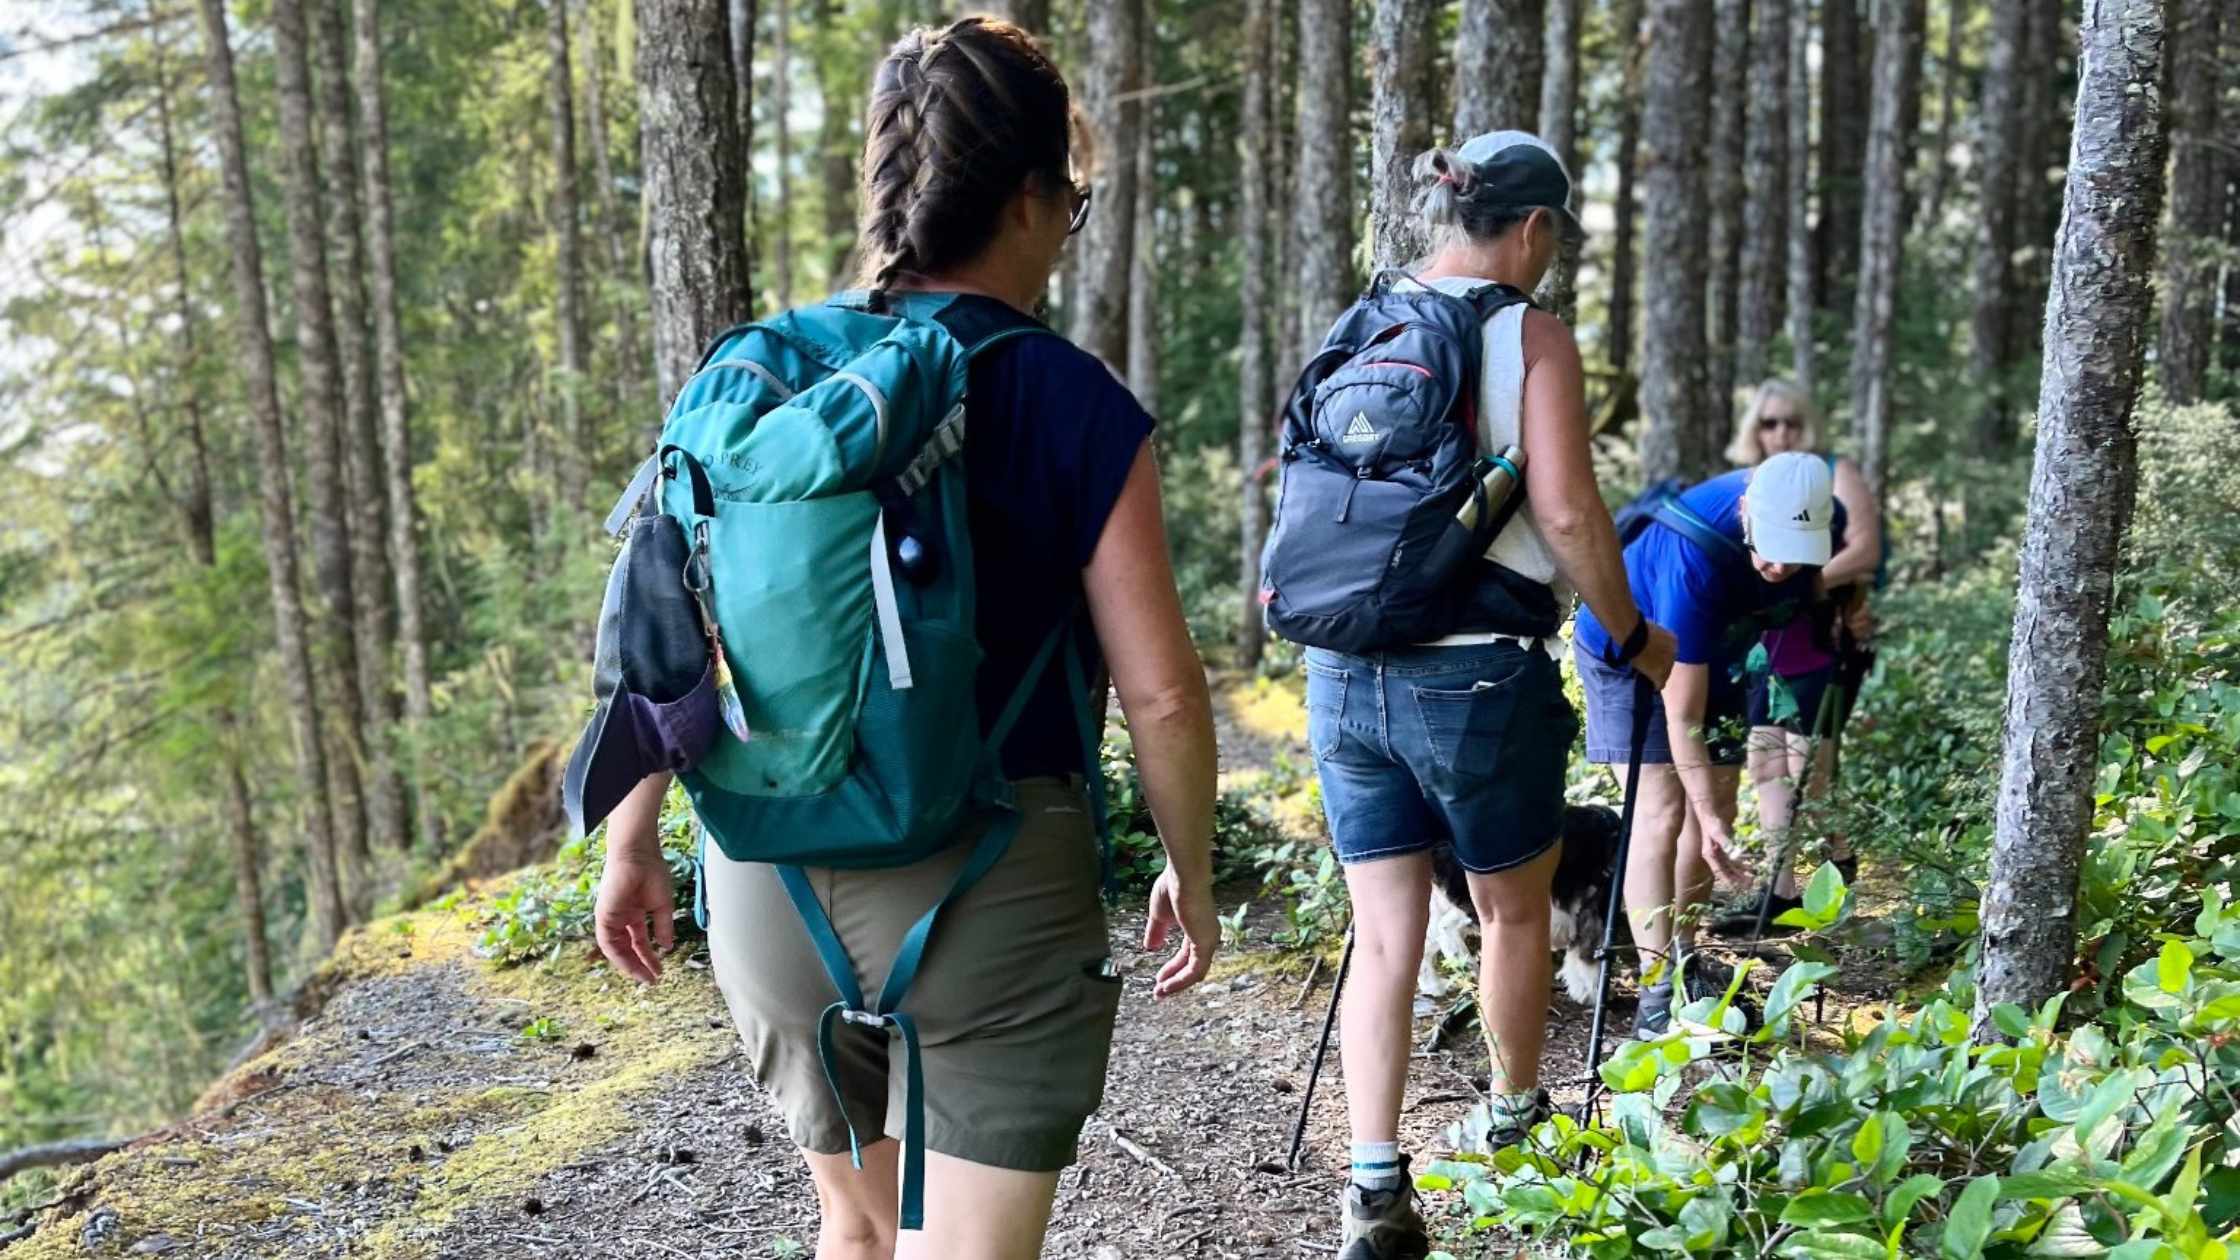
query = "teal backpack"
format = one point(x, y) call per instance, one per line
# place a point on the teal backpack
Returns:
point(815, 460)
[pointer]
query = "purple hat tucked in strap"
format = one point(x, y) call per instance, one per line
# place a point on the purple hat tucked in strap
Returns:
point(653, 674)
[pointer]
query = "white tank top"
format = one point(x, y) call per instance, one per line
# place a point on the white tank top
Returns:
point(1519, 547)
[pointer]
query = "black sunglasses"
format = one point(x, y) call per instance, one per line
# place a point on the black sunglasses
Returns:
point(1082, 194)
point(1770, 423)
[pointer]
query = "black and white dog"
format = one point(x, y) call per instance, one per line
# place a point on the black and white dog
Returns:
point(1578, 899)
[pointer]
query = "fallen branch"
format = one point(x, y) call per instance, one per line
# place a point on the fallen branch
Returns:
point(57, 1154)
point(1314, 972)
point(1135, 1150)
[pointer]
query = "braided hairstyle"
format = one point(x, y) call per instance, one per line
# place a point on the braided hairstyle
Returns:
point(960, 119)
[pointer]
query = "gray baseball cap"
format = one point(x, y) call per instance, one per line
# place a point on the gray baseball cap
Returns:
point(1517, 168)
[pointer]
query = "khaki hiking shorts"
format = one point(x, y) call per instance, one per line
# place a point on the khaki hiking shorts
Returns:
point(1014, 1014)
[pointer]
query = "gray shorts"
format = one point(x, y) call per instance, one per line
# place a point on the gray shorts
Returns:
point(1014, 1018)
point(1611, 700)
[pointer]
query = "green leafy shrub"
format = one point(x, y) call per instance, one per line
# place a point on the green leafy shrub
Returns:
point(549, 906)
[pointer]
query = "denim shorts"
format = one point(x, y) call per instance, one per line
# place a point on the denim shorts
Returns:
point(1464, 745)
point(1610, 705)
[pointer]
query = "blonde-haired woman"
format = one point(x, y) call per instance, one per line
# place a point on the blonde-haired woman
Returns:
point(1810, 655)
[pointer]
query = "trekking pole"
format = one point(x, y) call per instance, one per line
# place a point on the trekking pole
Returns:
point(1329, 1018)
point(1641, 698)
point(1831, 703)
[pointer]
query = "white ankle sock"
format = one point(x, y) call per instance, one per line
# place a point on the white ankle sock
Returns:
point(1376, 1165)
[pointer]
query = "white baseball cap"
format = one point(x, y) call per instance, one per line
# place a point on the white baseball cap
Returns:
point(1792, 506)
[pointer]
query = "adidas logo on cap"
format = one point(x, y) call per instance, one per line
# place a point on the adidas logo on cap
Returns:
point(1360, 430)
point(1803, 517)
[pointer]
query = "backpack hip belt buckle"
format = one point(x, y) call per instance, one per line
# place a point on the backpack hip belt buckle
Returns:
point(868, 1019)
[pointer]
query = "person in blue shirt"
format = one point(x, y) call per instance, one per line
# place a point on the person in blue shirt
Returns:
point(1778, 521)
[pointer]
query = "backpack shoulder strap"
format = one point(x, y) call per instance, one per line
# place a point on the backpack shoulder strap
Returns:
point(1684, 520)
point(1492, 297)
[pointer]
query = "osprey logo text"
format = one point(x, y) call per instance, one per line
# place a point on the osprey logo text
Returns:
point(1360, 430)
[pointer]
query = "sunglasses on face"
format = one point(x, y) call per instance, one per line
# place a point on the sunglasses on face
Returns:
point(1770, 423)
point(1082, 195)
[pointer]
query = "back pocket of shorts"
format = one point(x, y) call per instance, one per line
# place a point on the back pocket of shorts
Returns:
point(1466, 728)
point(1326, 704)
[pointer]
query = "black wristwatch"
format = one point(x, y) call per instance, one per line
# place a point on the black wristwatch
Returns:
point(1633, 646)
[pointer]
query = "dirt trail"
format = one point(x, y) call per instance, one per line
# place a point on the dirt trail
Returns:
point(413, 1117)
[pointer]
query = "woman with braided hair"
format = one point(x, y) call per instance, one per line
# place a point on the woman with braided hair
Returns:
point(968, 188)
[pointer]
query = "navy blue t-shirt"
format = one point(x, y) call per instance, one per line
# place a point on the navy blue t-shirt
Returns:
point(1050, 437)
point(1699, 597)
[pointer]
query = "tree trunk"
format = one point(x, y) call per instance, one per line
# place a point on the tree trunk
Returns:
point(1497, 66)
point(742, 101)
point(1115, 69)
point(396, 430)
point(1803, 360)
point(2049, 54)
point(1843, 148)
point(695, 182)
point(567, 255)
point(198, 516)
point(1032, 16)
point(781, 134)
point(1559, 109)
point(1948, 106)
point(614, 228)
point(1322, 190)
point(1679, 436)
point(1143, 271)
point(2197, 194)
point(1399, 127)
point(836, 148)
point(2228, 339)
point(2082, 486)
point(1765, 199)
point(1897, 76)
point(1730, 84)
point(277, 513)
point(371, 583)
point(1991, 326)
point(323, 421)
point(1254, 357)
point(1629, 32)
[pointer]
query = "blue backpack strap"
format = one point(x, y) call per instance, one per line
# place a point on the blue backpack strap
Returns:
point(1682, 519)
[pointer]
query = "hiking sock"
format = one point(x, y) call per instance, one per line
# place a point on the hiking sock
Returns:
point(1513, 1109)
point(1376, 1165)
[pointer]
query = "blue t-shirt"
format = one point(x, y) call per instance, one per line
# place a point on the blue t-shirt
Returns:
point(1701, 598)
point(1050, 437)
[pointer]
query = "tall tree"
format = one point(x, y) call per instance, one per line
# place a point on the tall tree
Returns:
point(741, 31)
point(1627, 19)
point(1114, 73)
point(1731, 85)
point(1843, 148)
point(1143, 270)
point(2082, 486)
point(323, 417)
point(1559, 111)
point(1497, 67)
point(567, 255)
point(781, 135)
point(1680, 436)
point(1399, 125)
point(1897, 76)
point(1949, 74)
point(836, 148)
point(396, 429)
point(277, 513)
point(1798, 176)
point(695, 182)
point(1999, 139)
point(1255, 366)
point(1322, 185)
point(2197, 197)
point(197, 522)
point(1030, 15)
point(371, 586)
point(1766, 193)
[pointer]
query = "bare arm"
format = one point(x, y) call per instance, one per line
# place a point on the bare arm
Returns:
point(1686, 697)
point(1162, 686)
point(1862, 531)
point(1560, 488)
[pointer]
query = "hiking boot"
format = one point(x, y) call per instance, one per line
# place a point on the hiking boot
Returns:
point(1699, 976)
point(1514, 1128)
point(1739, 923)
point(1384, 1224)
point(1653, 1018)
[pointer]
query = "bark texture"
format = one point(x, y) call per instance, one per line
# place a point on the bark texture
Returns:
point(1843, 148)
point(396, 428)
point(1143, 269)
point(695, 182)
point(567, 255)
point(1255, 352)
point(781, 135)
point(623, 260)
point(2197, 195)
point(1765, 204)
point(323, 422)
point(1949, 74)
point(276, 512)
point(1897, 77)
point(1803, 359)
point(1497, 65)
point(2082, 486)
point(1399, 125)
point(1559, 111)
point(1322, 188)
point(741, 32)
point(1679, 435)
point(1626, 17)
point(1730, 86)
point(1106, 245)
point(1998, 144)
